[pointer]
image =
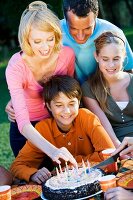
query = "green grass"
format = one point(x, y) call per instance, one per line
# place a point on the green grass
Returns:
point(6, 155)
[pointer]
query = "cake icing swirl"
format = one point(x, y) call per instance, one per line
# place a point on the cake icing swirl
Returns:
point(72, 180)
point(72, 185)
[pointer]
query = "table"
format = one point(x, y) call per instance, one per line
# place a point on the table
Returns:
point(125, 166)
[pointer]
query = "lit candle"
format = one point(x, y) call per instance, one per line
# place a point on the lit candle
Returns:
point(73, 168)
point(57, 172)
point(88, 165)
point(66, 175)
point(76, 168)
point(84, 167)
point(60, 168)
point(66, 167)
point(77, 174)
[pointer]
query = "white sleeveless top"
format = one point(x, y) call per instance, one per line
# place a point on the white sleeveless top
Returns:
point(122, 104)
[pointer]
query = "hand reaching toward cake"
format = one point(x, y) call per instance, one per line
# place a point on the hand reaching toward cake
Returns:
point(128, 141)
point(41, 175)
point(64, 154)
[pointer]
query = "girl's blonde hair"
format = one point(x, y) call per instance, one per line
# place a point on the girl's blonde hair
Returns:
point(99, 85)
point(40, 16)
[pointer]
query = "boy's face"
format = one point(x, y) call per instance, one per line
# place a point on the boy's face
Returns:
point(64, 110)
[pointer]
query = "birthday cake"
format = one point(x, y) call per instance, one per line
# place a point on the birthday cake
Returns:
point(71, 184)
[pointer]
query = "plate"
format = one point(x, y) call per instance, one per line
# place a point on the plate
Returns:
point(80, 198)
point(126, 181)
point(26, 188)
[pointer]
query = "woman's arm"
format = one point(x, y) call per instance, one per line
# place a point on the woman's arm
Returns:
point(93, 106)
point(17, 78)
point(53, 152)
point(128, 141)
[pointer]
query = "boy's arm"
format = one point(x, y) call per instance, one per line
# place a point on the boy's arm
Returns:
point(27, 162)
point(99, 138)
point(94, 107)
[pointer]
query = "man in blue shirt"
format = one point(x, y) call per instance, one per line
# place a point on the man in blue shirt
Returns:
point(80, 28)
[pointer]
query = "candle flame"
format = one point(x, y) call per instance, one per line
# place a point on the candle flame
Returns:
point(57, 172)
point(66, 166)
point(83, 165)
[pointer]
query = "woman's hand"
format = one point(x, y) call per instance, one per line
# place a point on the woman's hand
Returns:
point(118, 193)
point(128, 141)
point(41, 175)
point(10, 111)
point(64, 154)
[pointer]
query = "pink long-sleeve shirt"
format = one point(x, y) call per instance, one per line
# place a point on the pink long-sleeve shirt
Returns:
point(26, 92)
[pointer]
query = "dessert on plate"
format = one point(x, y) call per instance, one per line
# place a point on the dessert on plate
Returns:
point(72, 184)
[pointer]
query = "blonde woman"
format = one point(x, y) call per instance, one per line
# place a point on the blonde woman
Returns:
point(42, 56)
point(108, 93)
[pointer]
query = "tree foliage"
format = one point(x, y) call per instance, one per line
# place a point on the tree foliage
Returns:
point(118, 12)
point(10, 17)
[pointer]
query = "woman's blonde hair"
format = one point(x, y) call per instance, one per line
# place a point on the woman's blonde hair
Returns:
point(40, 16)
point(99, 85)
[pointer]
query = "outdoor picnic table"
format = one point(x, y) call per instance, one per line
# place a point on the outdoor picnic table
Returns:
point(125, 166)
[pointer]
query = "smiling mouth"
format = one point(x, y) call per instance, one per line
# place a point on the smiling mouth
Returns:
point(81, 40)
point(44, 53)
point(66, 117)
point(110, 70)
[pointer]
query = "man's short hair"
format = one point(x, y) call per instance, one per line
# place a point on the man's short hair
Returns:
point(81, 8)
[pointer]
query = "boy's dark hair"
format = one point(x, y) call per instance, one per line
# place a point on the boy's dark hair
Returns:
point(81, 8)
point(61, 83)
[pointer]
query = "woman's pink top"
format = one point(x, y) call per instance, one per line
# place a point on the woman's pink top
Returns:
point(25, 91)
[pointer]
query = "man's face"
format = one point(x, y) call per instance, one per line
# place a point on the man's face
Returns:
point(81, 28)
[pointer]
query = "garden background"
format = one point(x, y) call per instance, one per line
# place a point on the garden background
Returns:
point(119, 12)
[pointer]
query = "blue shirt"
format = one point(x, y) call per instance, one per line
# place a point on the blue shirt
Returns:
point(85, 63)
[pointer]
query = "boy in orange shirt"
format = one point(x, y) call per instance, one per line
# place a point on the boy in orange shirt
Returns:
point(79, 130)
